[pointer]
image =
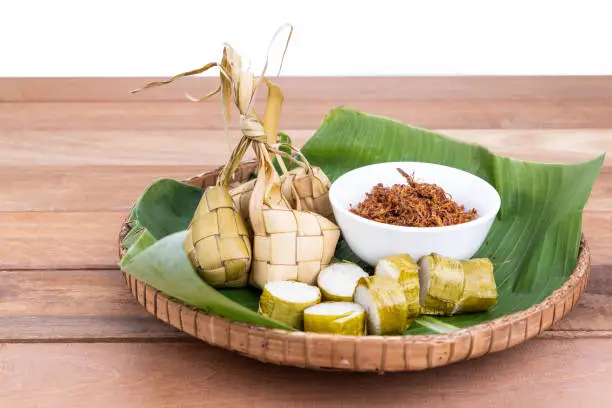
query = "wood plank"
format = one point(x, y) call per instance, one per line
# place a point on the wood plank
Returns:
point(74, 305)
point(119, 147)
point(96, 306)
point(317, 88)
point(59, 240)
point(97, 170)
point(594, 310)
point(80, 187)
point(69, 240)
point(198, 147)
point(191, 147)
point(431, 114)
point(115, 188)
point(197, 375)
point(597, 227)
point(553, 145)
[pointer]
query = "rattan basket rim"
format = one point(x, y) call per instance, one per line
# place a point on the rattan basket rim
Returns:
point(532, 321)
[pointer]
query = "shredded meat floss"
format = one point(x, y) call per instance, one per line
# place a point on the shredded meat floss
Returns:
point(412, 205)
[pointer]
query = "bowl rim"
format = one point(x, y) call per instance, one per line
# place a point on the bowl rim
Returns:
point(482, 219)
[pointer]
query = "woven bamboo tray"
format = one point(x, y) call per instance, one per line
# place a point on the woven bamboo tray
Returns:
point(354, 353)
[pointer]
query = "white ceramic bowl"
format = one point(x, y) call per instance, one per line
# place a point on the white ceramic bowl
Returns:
point(372, 240)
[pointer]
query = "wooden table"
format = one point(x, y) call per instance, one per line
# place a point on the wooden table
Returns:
point(75, 153)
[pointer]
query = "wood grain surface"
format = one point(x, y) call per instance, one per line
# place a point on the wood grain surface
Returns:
point(594, 88)
point(447, 114)
point(75, 153)
point(538, 374)
point(193, 375)
point(64, 305)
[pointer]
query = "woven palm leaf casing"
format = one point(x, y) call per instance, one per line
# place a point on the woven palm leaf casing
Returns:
point(287, 244)
point(218, 243)
point(304, 189)
point(292, 245)
point(312, 187)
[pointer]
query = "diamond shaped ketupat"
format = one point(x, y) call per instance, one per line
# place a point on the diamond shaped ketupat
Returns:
point(288, 244)
point(218, 243)
point(305, 188)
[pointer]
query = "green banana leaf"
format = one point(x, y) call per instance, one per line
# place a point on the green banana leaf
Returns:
point(536, 238)
point(141, 241)
point(163, 214)
point(164, 265)
point(534, 242)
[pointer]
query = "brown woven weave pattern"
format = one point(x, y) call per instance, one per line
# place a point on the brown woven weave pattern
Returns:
point(354, 353)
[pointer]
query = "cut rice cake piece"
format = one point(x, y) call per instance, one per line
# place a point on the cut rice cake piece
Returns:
point(337, 282)
point(385, 304)
point(285, 301)
point(480, 290)
point(405, 270)
point(441, 284)
point(344, 318)
point(450, 287)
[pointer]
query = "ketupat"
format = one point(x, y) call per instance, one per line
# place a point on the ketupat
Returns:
point(287, 244)
point(310, 186)
point(218, 244)
point(304, 188)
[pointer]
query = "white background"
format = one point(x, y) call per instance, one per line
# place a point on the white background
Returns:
point(375, 37)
